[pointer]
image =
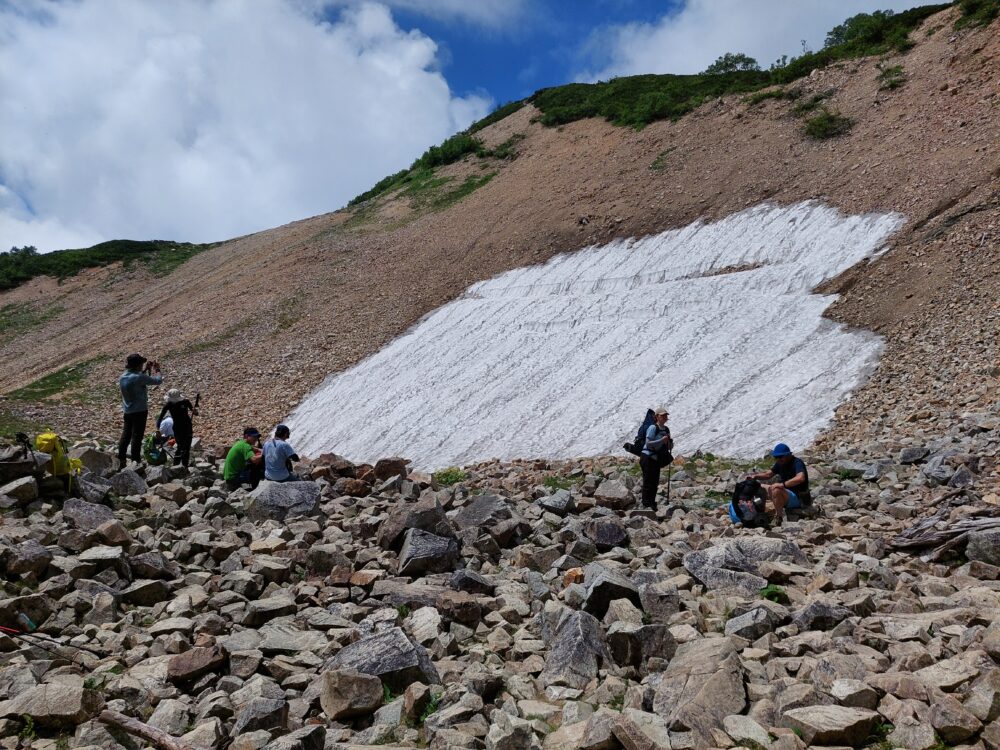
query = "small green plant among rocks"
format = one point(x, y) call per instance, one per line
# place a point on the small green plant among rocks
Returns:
point(660, 162)
point(891, 78)
point(451, 475)
point(432, 706)
point(775, 594)
point(827, 124)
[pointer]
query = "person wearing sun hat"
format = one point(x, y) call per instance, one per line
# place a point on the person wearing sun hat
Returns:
point(793, 489)
point(655, 455)
point(180, 410)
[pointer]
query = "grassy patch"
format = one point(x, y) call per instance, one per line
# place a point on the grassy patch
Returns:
point(64, 380)
point(16, 319)
point(559, 483)
point(20, 265)
point(775, 594)
point(778, 93)
point(451, 475)
point(812, 103)
point(506, 149)
point(468, 186)
point(827, 124)
point(660, 162)
point(891, 77)
point(432, 706)
point(977, 12)
point(403, 611)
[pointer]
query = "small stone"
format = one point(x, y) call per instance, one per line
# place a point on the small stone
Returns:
point(347, 694)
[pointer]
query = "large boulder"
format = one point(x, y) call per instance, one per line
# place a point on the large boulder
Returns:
point(576, 651)
point(347, 693)
point(613, 494)
point(832, 725)
point(387, 468)
point(984, 546)
point(603, 587)
point(425, 514)
point(24, 490)
point(424, 552)
point(606, 533)
point(128, 482)
point(390, 656)
point(29, 558)
point(189, 665)
point(278, 501)
point(54, 705)
point(92, 459)
point(733, 565)
point(560, 502)
point(483, 512)
point(86, 516)
point(701, 686)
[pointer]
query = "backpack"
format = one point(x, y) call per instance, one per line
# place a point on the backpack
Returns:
point(640, 437)
point(748, 504)
point(153, 452)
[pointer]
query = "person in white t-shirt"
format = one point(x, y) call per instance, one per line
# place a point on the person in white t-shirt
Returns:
point(278, 456)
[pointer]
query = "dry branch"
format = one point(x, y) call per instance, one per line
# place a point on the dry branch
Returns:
point(157, 737)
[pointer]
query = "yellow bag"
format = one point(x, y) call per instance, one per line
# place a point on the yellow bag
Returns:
point(61, 464)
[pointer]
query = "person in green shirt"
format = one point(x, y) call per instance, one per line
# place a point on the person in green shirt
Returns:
point(243, 462)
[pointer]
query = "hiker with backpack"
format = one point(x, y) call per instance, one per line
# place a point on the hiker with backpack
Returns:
point(655, 452)
point(793, 489)
point(278, 457)
point(180, 410)
point(133, 383)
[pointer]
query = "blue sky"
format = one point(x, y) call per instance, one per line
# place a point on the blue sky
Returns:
point(201, 120)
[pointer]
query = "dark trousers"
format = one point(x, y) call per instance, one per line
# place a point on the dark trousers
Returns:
point(650, 479)
point(133, 428)
point(183, 435)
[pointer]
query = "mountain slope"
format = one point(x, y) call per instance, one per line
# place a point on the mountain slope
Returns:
point(256, 323)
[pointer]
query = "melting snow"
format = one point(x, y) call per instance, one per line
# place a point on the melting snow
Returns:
point(561, 360)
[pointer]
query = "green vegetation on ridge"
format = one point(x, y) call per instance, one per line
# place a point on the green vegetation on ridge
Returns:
point(21, 264)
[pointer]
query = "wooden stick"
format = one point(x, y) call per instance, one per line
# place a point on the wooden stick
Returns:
point(157, 737)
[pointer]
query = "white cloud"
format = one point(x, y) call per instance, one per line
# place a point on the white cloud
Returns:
point(198, 120)
point(491, 14)
point(689, 40)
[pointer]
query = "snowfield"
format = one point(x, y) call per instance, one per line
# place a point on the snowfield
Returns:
point(717, 321)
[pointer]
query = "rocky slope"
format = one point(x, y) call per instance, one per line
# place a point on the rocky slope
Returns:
point(258, 322)
point(525, 605)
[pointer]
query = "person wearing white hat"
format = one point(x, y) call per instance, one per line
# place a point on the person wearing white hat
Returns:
point(180, 410)
point(655, 454)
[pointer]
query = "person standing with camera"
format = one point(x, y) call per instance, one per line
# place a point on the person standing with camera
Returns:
point(139, 374)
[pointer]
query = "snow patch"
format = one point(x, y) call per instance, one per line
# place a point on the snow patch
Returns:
point(561, 360)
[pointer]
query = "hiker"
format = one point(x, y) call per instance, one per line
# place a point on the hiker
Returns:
point(278, 456)
point(243, 462)
point(135, 403)
point(656, 453)
point(180, 411)
point(793, 489)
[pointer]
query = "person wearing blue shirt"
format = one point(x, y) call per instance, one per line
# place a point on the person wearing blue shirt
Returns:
point(135, 404)
point(655, 454)
point(793, 489)
point(278, 455)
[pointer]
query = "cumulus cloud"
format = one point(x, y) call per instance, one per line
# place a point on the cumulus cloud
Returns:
point(492, 14)
point(691, 38)
point(201, 120)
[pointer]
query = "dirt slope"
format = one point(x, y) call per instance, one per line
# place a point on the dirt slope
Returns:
point(256, 323)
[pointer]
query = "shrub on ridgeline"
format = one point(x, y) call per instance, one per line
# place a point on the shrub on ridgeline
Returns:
point(978, 12)
point(731, 62)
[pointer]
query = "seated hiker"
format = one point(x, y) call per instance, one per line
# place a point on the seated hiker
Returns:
point(180, 410)
point(655, 454)
point(244, 460)
point(793, 489)
point(278, 456)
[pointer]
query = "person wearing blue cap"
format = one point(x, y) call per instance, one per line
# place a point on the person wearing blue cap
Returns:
point(793, 489)
point(278, 456)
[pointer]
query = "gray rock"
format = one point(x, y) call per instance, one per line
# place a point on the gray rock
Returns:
point(603, 587)
point(261, 714)
point(264, 610)
point(745, 731)
point(92, 459)
point(127, 482)
point(154, 565)
point(953, 721)
point(606, 533)
point(613, 494)
point(146, 593)
point(820, 615)
point(84, 515)
point(702, 684)
point(560, 502)
point(172, 716)
point(312, 737)
point(984, 546)
point(24, 490)
point(425, 514)
point(389, 655)
point(471, 582)
point(54, 705)
point(347, 693)
point(752, 625)
point(633, 645)
point(734, 564)
point(424, 552)
point(29, 558)
point(576, 651)
point(832, 725)
point(854, 694)
point(913, 454)
point(963, 477)
point(281, 500)
point(483, 512)
point(660, 600)
point(510, 733)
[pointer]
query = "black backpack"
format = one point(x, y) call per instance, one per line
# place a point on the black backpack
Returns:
point(749, 504)
point(640, 436)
